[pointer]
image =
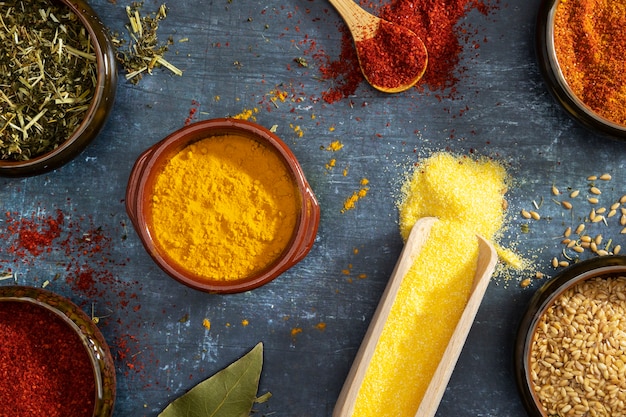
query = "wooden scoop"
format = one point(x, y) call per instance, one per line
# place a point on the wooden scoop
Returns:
point(364, 26)
point(487, 259)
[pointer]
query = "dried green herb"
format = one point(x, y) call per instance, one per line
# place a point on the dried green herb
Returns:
point(47, 76)
point(142, 53)
point(229, 393)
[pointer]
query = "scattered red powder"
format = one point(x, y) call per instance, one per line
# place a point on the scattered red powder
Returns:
point(81, 253)
point(193, 110)
point(435, 21)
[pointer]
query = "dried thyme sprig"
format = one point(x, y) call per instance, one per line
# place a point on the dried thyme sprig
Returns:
point(143, 53)
point(47, 76)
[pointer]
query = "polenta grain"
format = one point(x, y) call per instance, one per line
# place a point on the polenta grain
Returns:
point(466, 195)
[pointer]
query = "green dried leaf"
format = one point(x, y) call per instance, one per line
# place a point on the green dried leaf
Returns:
point(229, 393)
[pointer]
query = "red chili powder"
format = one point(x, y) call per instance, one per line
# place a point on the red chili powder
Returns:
point(33, 237)
point(435, 21)
point(45, 369)
point(391, 59)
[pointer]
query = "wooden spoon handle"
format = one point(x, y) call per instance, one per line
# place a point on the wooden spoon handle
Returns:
point(362, 25)
point(416, 240)
point(487, 260)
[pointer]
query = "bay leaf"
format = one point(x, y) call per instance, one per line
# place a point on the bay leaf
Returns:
point(230, 392)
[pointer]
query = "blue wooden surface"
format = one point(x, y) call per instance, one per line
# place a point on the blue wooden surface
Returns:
point(237, 54)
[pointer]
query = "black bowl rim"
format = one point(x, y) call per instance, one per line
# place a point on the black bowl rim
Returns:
point(540, 301)
point(555, 82)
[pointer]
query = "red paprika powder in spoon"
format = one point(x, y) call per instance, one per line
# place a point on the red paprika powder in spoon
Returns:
point(390, 58)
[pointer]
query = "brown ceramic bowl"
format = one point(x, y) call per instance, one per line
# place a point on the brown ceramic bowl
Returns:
point(542, 300)
point(555, 80)
point(98, 111)
point(150, 164)
point(80, 324)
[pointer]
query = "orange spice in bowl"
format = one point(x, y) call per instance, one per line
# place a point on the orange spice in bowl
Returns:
point(581, 50)
point(222, 205)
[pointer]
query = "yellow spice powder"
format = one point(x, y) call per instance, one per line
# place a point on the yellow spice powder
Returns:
point(466, 195)
point(224, 207)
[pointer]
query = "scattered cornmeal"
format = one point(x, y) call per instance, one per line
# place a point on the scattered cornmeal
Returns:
point(576, 358)
point(466, 195)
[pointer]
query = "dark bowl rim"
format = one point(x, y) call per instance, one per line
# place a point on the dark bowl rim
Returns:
point(306, 225)
point(99, 108)
point(544, 297)
point(555, 81)
point(81, 324)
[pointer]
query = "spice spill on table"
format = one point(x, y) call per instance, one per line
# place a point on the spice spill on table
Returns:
point(593, 220)
point(466, 195)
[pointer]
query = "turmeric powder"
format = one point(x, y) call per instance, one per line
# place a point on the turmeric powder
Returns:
point(224, 208)
point(466, 195)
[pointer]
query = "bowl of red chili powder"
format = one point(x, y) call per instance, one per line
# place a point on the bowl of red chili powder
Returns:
point(66, 54)
point(54, 361)
point(222, 206)
point(581, 50)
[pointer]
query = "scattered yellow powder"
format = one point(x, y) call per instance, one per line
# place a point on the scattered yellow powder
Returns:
point(332, 128)
point(466, 195)
point(207, 324)
point(296, 331)
point(334, 146)
point(510, 258)
point(224, 208)
point(351, 201)
point(297, 130)
point(279, 95)
point(321, 326)
point(247, 114)
point(331, 164)
point(244, 322)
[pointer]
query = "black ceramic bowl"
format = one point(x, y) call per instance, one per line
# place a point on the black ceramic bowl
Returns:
point(99, 109)
point(80, 324)
point(542, 300)
point(556, 82)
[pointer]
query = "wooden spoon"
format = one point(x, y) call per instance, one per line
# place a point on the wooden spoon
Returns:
point(487, 259)
point(400, 71)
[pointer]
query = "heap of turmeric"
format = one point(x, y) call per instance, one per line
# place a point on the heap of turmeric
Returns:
point(224, 207)
point(466, 195)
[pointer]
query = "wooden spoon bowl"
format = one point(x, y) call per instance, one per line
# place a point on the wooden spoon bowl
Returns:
point(392, 57)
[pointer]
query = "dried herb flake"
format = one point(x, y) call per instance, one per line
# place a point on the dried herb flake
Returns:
point(143, 52)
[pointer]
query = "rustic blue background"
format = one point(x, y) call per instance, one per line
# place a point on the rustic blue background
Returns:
point(238, 52)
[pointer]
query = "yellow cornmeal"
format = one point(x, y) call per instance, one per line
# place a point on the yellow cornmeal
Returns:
point(466, 196)
point(448, 187)
point(224, 207)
